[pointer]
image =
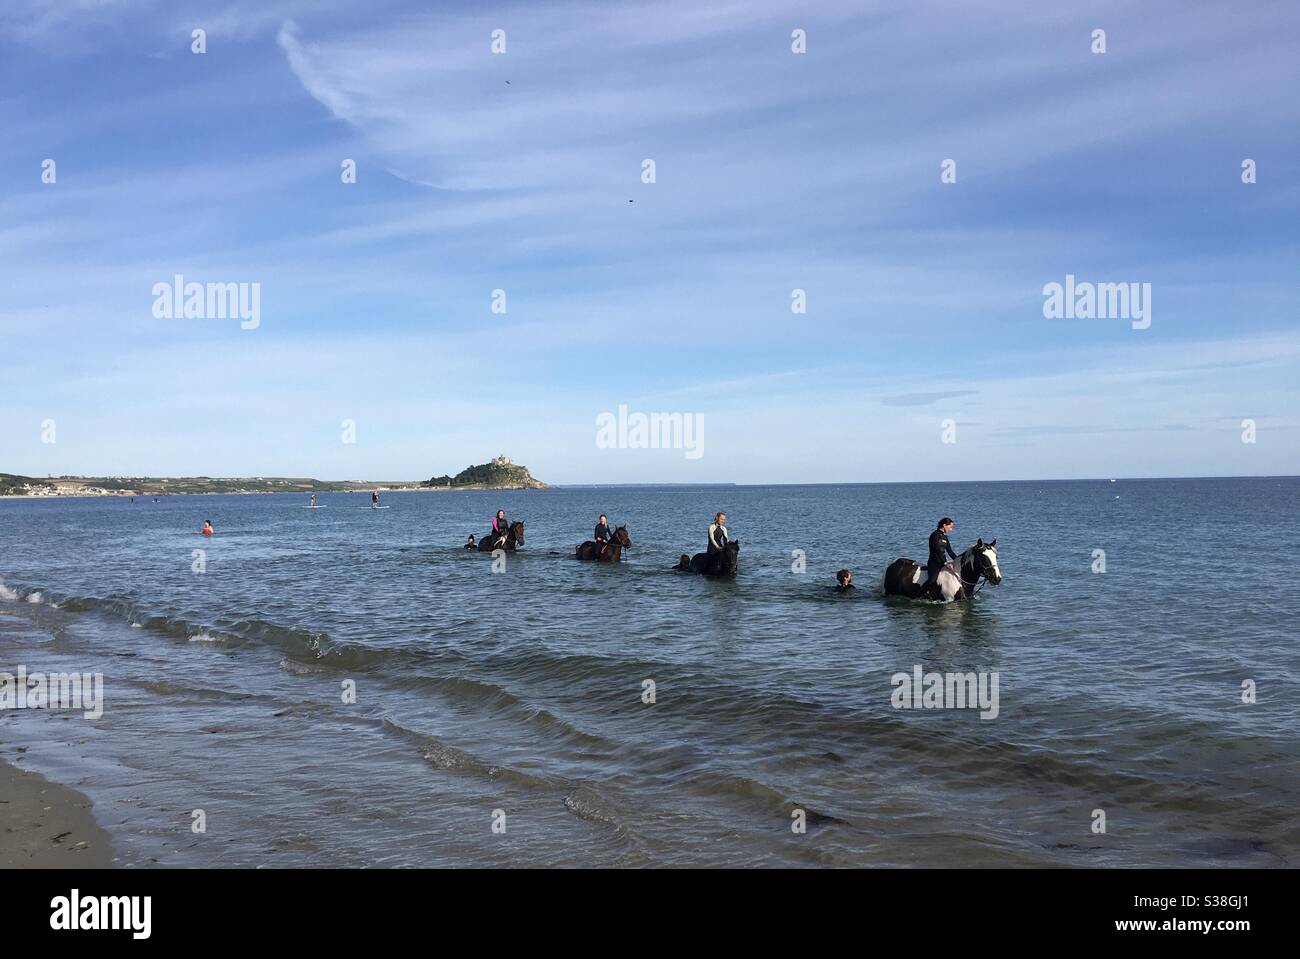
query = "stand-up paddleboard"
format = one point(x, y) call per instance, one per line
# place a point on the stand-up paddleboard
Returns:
point(374, 507)
point(315, 507)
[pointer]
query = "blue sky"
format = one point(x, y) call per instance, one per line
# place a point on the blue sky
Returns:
point(775, 171)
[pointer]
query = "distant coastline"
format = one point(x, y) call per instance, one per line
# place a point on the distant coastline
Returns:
point(498, 474)
point(83, 487)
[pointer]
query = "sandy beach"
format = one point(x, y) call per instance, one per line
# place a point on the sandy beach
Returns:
point(45, 825)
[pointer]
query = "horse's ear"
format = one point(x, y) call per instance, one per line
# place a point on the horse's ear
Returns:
point(993, 542)
point(979, 542)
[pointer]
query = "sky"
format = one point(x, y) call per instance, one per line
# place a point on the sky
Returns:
point(923, 355)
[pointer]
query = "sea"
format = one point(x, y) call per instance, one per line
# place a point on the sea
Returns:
point(349, 687)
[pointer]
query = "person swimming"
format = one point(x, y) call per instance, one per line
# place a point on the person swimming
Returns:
point(207, 528)
point(470, 544)
point(844, 581)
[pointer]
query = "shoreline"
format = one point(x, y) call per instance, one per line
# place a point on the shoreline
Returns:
point(47, 825)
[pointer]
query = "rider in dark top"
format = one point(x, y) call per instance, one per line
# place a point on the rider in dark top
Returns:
point(602, 536)
point(940, 552)
point(500, 526)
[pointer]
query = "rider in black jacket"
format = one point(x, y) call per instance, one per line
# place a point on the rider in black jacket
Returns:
point(940, 552)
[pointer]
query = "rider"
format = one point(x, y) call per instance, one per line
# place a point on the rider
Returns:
point(500, 526)
point(940, 551)
point(602, 535)
point(718, 534)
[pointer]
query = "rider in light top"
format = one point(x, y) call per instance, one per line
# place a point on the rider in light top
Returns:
point(718, 534)
point(940, 551)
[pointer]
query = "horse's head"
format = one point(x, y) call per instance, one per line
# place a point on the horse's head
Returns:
point(517, 531)
point(621, 537)
point(986, 560)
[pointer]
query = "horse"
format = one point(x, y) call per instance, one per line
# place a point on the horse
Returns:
point(905, 577)
point(723, 562)
point(514, 538)
point(613, 549)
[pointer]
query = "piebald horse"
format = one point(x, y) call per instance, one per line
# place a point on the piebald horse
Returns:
point(905, 577)
point(514, 538)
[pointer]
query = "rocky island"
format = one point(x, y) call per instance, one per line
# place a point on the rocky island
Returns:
point(500, 473)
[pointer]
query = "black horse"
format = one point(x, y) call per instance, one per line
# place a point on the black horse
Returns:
point(905, 577)
point(513, 538)
point(613, 549)
point(724, 562)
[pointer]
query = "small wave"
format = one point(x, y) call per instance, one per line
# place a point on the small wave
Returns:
point(301, 669)
point(585, 803)
point(161, 687)
point(440, 755)
point(36, 597)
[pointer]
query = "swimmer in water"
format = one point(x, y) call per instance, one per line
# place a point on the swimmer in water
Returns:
point(845, 580)
point(207, 527)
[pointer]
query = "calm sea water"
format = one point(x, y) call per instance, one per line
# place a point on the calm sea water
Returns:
point(520, 693)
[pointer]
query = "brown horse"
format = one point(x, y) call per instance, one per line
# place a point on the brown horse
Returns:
point(514, 538)
point(613, 551)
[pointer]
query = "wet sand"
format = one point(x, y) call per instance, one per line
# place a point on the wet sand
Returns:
point(45, 825)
